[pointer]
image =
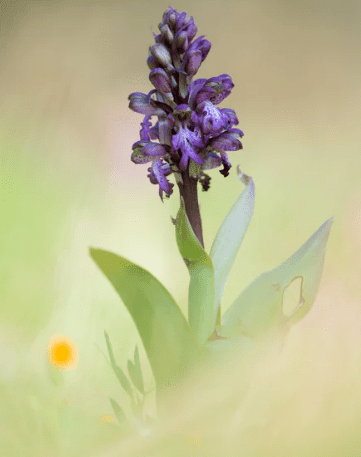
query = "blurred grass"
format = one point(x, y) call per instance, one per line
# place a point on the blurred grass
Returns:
point(67, 183)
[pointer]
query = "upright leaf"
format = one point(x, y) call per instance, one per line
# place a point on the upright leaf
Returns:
point(118, 411)
point(122, 378)
point(259, 307)
point(166, 335)
point(201, 286)
point(135, 372)
point(230, 236)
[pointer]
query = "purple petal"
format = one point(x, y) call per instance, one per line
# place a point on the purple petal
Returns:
point(193, 89)
point(227, 141)
point(187, 141)
point(212, 160)
point(213, 121)
point(145, 129)
point(233, 120)
point(154, 149)
point(141, 103)
point(216, 89)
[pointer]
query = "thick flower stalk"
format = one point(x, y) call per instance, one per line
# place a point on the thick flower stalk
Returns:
point(190, 133)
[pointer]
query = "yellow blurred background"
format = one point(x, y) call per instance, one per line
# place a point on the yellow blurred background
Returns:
point(67, 183)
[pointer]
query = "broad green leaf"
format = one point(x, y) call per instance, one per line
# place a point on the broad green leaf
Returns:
point(167, 338)
point(201, 286)
point(118, 411)
point(122, 378)
point(260, 306)
point(135, 372)
point(229, 238)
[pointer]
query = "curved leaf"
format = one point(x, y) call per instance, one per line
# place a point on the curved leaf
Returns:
point(201, 286)
point(167, 338)
point(259, 307)
point(230, 236)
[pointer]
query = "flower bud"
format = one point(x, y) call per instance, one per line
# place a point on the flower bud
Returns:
point(161, 54)
point(192, 30)
point(170, 17)
point(143, 104)
point(160, 80)
point(202, 45)
point(194, 60)
point(151, 63)
point(181, 42)
point(166, 32)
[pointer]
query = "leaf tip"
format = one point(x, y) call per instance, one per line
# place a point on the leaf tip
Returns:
point(245, 179)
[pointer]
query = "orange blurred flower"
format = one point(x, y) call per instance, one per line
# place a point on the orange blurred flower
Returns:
point(62, 352)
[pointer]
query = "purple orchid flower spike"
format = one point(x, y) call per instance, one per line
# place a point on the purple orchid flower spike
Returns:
point(190, 132)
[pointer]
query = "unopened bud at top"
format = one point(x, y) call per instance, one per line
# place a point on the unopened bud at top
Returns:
point(162, 55)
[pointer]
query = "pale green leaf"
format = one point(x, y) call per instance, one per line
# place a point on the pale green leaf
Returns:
point(167, 338)
point(259, 307)
point(230, 236)
point(122, 378)
point(135, 372)
point(201, 286)
point(118, 411)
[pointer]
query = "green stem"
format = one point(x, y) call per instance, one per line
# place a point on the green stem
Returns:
point(188, 191)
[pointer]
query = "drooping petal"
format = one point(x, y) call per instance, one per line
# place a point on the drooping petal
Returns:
point(211, 160)
point(226, 164)
point(154, 132)
point(145, 129)
point(157, 175)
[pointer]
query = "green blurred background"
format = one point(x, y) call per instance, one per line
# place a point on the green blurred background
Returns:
point(67, 183)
